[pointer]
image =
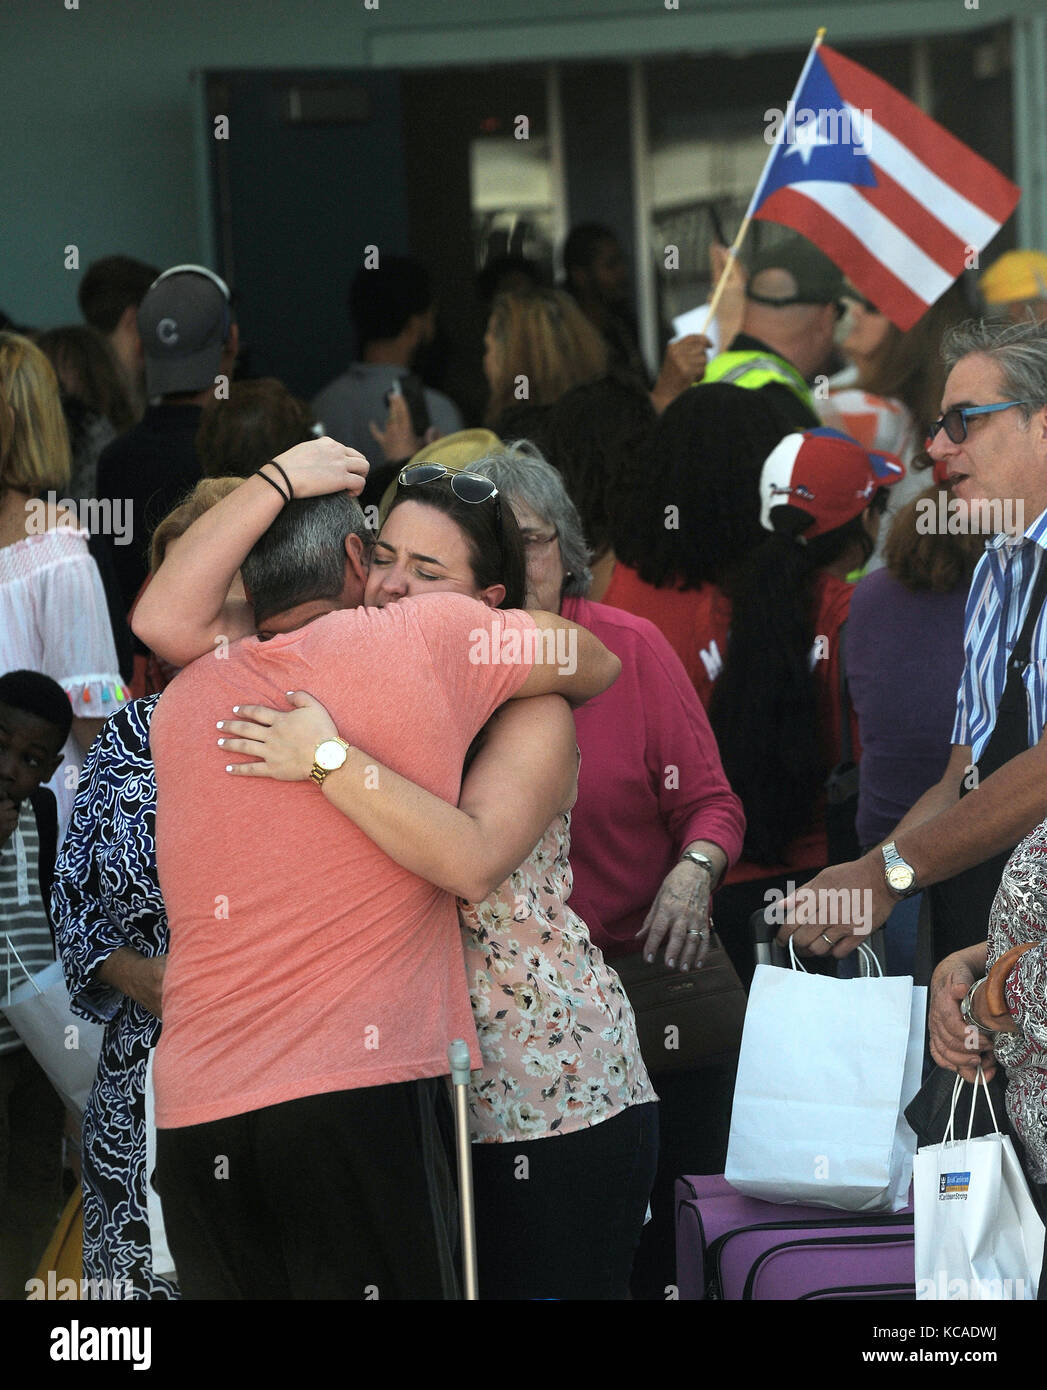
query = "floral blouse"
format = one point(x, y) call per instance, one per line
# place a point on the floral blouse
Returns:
point(556, 1029)
point(1018, 915)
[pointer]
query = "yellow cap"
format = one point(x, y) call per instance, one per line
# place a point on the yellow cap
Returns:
point(1016, 275)
point(453, 450)
point(460, 448)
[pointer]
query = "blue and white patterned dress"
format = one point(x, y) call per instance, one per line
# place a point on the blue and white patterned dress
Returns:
point(106, 895)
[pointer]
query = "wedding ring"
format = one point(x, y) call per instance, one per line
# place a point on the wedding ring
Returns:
point(693, 931)
point(829, 939)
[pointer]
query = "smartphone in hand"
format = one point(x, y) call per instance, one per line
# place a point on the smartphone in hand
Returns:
point(413, 392)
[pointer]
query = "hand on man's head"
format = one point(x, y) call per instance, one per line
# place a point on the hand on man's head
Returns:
point(322, 466)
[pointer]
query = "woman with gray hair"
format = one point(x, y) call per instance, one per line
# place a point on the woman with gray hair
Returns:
point(655, 826)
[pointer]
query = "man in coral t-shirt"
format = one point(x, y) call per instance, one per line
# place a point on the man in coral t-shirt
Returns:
point(313, 985)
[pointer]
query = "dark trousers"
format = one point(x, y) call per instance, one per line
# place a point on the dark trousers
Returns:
point(694, 1117)
point(560, 1217)
point(344, 1195)
point(31, 1120)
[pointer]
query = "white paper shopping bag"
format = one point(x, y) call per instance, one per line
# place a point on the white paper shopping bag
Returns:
point(904, 1152)
point(978, 1234)
point(66, 1047)
point(825, 1069)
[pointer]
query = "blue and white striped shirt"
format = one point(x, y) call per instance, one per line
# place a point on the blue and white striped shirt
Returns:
point(997, 604)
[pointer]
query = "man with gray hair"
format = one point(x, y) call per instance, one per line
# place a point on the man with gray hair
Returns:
point(313, 984)
point(990, 446)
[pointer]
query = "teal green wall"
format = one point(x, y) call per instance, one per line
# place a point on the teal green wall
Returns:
point(97, 131)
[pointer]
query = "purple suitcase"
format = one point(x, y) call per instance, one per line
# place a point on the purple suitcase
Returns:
point(740, 1248)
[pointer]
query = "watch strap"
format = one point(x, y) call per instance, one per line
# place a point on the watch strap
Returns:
point(703, 861)
point(892, 859)
point(317, 773)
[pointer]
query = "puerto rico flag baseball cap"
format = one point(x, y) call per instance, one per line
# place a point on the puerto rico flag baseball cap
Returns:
point(826, 474)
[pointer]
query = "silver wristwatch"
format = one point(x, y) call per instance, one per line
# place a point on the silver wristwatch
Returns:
point(900, 875)
point(703, 860)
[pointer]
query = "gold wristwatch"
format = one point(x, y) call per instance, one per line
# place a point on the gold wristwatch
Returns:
point(329, 757)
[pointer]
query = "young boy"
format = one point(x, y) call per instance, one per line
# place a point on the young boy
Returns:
point(35, 719)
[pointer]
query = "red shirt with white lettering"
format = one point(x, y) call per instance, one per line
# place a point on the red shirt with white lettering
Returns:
point(695, 622)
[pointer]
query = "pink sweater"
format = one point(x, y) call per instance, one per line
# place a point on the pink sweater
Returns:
point(650, 781)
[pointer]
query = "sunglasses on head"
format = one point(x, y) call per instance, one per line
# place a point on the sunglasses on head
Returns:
point(954, 421)
point(467, 487)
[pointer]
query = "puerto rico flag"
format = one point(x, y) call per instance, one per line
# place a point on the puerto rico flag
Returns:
point(889, 195)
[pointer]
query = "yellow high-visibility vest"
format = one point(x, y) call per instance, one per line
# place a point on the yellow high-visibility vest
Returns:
point(752, 369)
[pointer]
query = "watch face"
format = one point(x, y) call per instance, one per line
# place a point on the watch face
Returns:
point(900, 877)
point(330, 755)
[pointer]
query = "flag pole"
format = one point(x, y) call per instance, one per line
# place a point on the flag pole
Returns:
point(732, 253)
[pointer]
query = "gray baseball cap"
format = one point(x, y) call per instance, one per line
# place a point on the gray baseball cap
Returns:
point(183, 321)
point(817, 279)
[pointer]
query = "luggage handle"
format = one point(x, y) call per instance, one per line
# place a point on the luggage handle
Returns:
point(764, 932)
point(865, 956)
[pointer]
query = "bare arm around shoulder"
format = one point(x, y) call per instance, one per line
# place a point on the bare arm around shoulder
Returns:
point(525, 774)
point(184, 610)
point(569, 661)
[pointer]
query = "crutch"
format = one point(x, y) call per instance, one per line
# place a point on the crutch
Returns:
point(458, 1056)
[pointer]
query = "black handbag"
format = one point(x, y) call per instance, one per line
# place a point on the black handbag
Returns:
point(685, 1021)
point(928, 1111)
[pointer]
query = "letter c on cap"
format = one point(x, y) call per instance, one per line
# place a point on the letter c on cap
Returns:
point(167, 331)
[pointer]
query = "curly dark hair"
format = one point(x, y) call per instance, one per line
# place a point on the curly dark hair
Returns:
point(591, 435)
point(687, 509)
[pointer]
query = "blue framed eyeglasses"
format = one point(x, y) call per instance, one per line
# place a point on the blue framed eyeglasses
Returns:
point(954, 421)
